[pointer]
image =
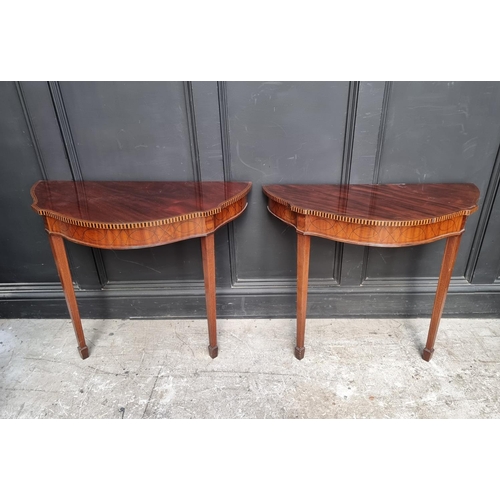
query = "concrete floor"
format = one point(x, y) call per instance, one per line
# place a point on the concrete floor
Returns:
point(353, 368)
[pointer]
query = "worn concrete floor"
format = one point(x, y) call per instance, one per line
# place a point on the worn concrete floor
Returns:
point(353, 368)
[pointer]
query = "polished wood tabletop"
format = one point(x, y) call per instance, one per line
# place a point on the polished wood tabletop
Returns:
point(386, 215)
point(136, 214)
point(389, 204)
point(377, 215)
point(138, 204)
point(125, 215)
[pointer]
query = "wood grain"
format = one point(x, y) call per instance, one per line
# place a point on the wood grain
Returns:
point(367, 234)
point(379, 204)
point(127, 215)
point(145, 237)
point(132, 205)
point(391, 215)
point(303, 252)
point(62, 265)
point(449, 258)
point(208, 256)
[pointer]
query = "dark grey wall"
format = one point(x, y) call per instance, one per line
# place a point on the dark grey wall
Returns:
point(264, 132)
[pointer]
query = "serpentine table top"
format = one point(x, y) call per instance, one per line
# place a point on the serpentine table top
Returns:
point(125, 215)
point(384, 215)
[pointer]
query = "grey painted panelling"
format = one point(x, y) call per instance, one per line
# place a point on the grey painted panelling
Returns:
point(441, 131)
point(177, 261)
point(370, 117)
point(265, 132)
point(283, 132)
point(25, 252)
point(369, 114)
point(436, 132)
point(41, 110)
point(163, 303)
point(129, 130)
point(206, 105)
point(135, 131)
point(53, 160)
point(487, 267)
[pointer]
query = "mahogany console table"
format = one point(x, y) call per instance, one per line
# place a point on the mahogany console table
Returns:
point(390, 215)
point(125, 215)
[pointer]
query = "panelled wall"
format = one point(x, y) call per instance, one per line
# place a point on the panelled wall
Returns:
point(264, 132)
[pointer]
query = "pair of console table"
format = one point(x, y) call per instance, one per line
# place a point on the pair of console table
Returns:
point(125, 215)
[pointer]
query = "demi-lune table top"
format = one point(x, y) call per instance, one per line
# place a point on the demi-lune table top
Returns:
point(378, 214)
point(128, 204)
point(378, 204)
point(386, 215)
point(123, 215)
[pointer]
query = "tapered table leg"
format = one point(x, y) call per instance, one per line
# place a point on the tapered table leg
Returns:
point(303, 251)
point(208, 254)
point(59, 251)
point(450, 255)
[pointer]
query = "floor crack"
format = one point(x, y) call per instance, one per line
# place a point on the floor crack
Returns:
point(151, 393)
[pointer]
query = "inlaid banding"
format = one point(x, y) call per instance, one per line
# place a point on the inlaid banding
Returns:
point(390, 222)
point(138, 224)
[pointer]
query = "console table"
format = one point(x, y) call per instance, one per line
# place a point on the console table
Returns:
point(390, 215)
point(125, 215)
